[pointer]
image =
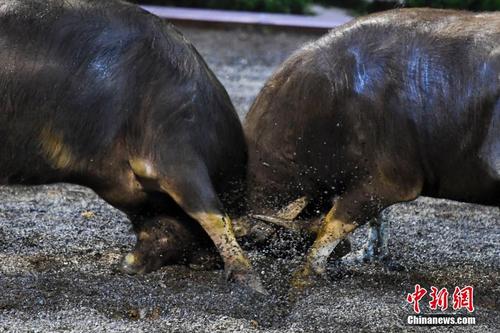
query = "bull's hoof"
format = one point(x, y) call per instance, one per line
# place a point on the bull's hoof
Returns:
point(368, 254)
point(247, 280)
point(302, 281)
point(132, 264)
point(359, 257)
point(304, 278)
point(363, 257)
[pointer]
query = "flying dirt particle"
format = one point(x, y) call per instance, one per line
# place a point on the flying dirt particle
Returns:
point(134, 314)
point(154, 314)
point(88, 214)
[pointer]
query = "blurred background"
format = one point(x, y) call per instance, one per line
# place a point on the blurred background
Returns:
point(305, 6)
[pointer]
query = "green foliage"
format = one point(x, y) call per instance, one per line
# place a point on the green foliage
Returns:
point(273, 6)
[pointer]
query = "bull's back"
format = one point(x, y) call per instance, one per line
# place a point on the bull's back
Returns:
point(414, 89)
point(441, 90)
point(64, 93)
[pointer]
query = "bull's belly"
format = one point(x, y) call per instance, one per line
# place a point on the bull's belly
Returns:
point(24, 170)
point(479, 191)
point(29, 178)
point(118, 187)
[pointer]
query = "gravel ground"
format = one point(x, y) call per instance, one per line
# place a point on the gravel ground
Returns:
point(60, 244)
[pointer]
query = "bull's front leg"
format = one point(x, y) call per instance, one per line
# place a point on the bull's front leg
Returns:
point(191, 188)
point(336, 226)
point(354, 208)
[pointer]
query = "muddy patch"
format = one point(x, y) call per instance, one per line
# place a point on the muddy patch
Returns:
point(58, 273)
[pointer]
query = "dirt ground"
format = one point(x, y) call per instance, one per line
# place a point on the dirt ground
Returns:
point(59, 246)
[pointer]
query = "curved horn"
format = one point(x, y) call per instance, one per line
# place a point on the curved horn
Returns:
point(292, 210)
point(310, 227)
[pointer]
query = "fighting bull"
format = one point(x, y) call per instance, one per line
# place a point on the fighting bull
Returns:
point(381, 110)
point(106, 95)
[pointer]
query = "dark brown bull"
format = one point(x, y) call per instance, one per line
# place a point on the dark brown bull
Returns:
point(381, 110)
point(103, 94)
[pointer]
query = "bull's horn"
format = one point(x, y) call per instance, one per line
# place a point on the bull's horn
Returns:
point(293, 209)
point(310, 227)
point(285, 223)
point(284, 218)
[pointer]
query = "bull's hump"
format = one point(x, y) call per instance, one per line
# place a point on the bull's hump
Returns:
point(42, 7)
point(379, 27)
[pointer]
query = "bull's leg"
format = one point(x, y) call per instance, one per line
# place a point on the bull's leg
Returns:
point(354, 208)
point(195, 194)
point(338, 223)
point(219, 228)
point(378, 236)
point(292, 210)
point(367, 253)
point(376, 245)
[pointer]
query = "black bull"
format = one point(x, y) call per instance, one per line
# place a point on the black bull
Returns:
point(103, 94)
point(381, 110)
